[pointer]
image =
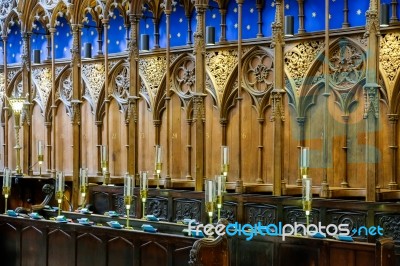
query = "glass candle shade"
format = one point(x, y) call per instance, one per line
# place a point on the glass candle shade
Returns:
point(83, 180)
point(307, 194)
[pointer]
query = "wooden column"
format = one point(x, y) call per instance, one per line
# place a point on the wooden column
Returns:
point(52, 30)
point(134, 81)
point(6, 107)
point(48, 125)
point(393, 119)
point(301, 29)
point(189, 149)
point(167, 11)
point(260, 160)
point(199, 115)
point(239, 181)
point(107, 102)
point(277, 99)
point(325, 153)
point(259, 7)
point(345, 147)
point(76, 111)
point(393, 18)
point(26, 115)
point(371, 97)
point(300, 122)
point(345, 23)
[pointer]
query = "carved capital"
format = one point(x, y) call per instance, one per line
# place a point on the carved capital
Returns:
point(277, 106)
point(301, 121)
point(393, 118)
point(371, 100)
point(76, 112)
point(372, 24)
point(199, 112)
point(277, 26)
point(131, 111)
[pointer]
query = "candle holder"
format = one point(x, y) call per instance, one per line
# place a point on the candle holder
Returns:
point(104, 164)
point(129, 184)
point(224, 163)
point(210, 198)
point(304, 161)
point(307, 197)
point(6, 186)
point(158, 164)
point(40, 156)
point(83, 184)
point(144, 186)
point(17, 104)
point(220, 181)
point(60, 183)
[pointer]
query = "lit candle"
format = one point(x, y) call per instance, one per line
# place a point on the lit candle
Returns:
point(128, 185)
point(308, 189)
point(60, 178)
point(305, 160)
point(225, 158)
point(210, 191)
point(219, 185)
point(103, 153)
point(40, 148)
point(158, 153)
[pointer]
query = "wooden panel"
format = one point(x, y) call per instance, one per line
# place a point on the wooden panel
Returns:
point(38, 133)
point(299, 255)
point(89, 139)
point(61, 248)
point(63, 145)
point(117, 141)
point(90, 250)
point(9, 247)
point(33, 246)
point(259, 253)
point(101, 202)
point(152, 253)
point(180, 255)
point(120, 252)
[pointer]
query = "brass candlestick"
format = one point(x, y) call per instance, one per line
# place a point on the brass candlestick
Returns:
point(158, 164)
point(83, 184)
point(60, 182)
point(6, 186)
point(104, 164)
point(210, 198)
point(129, 184)
point(143, 190)
point(17, 105)
point(220, 181)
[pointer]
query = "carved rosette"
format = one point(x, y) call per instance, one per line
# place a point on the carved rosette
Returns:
point(184, 78)
point(76, 112)
point(346, 66)
point(199, 112)
point(259, 73)
point(220, 65)
point(277, 106)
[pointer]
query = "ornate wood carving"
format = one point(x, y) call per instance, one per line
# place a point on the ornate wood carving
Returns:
point(263, 213)
point(152, 70)
point(158, 207)
point(41, 77)
point(93, 75)
point(220, 65)
point(186, 209)
point(390, 224)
